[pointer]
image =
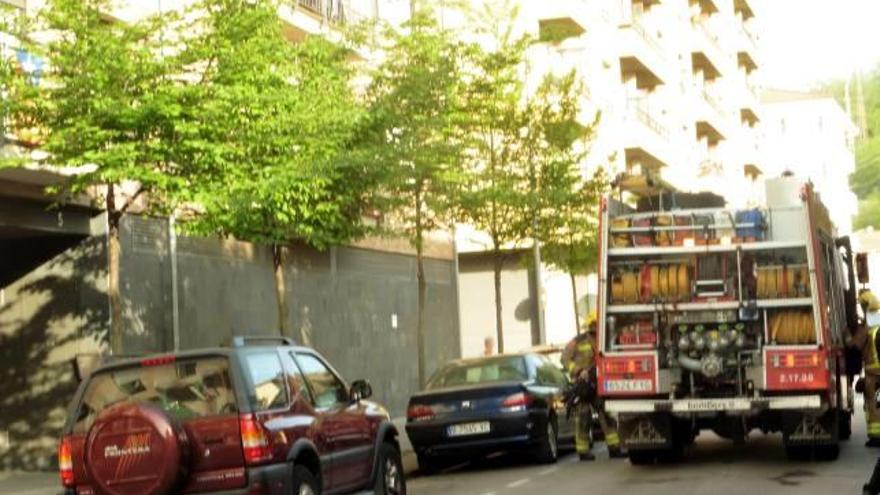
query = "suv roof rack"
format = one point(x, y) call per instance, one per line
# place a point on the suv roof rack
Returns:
point(245, 340)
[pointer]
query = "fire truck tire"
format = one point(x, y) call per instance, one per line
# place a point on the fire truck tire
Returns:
point(642, 457)
point(798, 452)
point(827, 452)
point(845, 425)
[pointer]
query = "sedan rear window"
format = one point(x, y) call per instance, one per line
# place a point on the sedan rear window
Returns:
point(184, 389)
point(496, 369)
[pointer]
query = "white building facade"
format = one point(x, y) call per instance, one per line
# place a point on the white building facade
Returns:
point(812, 136)
point(676, 85)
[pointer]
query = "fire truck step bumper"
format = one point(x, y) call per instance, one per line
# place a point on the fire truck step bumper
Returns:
point(740, 405)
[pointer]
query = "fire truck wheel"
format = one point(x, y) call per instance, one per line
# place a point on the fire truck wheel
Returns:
point(642, 457)
point(845, 425)
point(827, 452)
point(798, 452)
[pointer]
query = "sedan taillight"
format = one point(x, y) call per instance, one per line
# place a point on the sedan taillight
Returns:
point(517, 402)
point(419, 412)
point(65, 463)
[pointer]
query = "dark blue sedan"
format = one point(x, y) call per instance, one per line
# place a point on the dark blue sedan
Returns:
point(474, 407)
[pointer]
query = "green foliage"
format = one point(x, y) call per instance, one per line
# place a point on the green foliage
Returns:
point(104, 96)
point(865, 181)
point(497, 191)
point(266, 124)
point(413, 133)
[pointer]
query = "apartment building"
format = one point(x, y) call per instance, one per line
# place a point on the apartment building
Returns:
point(676, 84)
point(811, 135)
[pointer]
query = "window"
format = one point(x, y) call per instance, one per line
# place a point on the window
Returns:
point(295, 378)
point(496, 369)
point(327, 389)
point(185, 389)
point(270, 391)
point(546, 373)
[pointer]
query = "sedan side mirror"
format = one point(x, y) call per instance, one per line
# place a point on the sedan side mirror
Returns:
point(360, 389)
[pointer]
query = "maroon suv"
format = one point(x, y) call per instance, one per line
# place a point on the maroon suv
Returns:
point(261, 416)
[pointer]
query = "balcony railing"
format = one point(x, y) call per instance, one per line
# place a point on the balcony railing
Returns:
point(638, 107)
point(707, 33)
point(639, 29)
point(335, 11)
point(712, 101)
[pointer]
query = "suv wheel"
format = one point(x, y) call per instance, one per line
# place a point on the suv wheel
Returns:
point(389, 475)
point(304, 482)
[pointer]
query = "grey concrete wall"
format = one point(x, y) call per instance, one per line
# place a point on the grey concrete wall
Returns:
point(518, 302)
point(49, 315)
point(344, 302)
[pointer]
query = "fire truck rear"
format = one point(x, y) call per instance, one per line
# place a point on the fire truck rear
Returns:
point(725, 320)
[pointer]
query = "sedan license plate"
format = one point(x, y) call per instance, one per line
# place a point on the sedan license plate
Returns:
point(467, 429)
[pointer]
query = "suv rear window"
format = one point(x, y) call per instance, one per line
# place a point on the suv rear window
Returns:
point(184, 389)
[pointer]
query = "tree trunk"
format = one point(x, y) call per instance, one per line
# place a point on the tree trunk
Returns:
point(114, 250)
point(574, 300)
point(420, 331)
point(499, 326)
point(280, 291)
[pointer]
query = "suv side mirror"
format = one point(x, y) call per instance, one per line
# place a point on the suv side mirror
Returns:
point(360, 389)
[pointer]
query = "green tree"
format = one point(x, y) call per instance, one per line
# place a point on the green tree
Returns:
point(865, 181)
point(413, 136)
point(103, 107)
point(495, 195)
point(523, 152)
point(267, 125)
point(564, 203)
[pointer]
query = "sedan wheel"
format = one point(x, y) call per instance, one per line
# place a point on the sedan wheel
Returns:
point(548, 451)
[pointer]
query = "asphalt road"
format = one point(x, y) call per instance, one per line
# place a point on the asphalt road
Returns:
point(713, 466)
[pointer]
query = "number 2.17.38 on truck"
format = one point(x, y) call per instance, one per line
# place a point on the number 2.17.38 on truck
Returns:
point(726, 320)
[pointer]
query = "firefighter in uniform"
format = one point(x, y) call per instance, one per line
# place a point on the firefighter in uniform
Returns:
point(579, 359)
point(867, 341)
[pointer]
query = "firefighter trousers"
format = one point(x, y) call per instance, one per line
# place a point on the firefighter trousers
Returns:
point(583, 421)
point(609, 428)
point(872, 411)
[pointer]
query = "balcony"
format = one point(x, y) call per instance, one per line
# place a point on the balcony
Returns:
point(708, 7)
point(645, 138)
point(744, 8)
point(304, 17)
point(562, 19)
point(707, 54)
point(710, 117)
point(641, 55)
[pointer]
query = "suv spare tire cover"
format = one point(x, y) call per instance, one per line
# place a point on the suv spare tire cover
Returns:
point(135, 449)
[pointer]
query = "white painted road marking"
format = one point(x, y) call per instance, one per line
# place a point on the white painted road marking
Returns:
point(518, 483)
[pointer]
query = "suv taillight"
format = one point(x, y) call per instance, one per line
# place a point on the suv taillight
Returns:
point(254, 440)
point(65, 463)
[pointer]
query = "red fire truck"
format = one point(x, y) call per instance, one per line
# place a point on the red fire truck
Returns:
point(726, 320)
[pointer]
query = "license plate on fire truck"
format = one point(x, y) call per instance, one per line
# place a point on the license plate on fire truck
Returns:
point(645, 385)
